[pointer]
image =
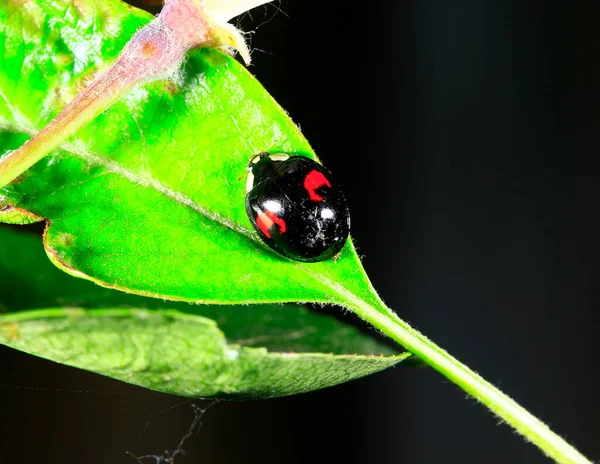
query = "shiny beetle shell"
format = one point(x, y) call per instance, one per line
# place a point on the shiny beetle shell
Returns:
point(296, 207)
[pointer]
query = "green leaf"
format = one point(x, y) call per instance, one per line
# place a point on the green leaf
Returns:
point(149, 198)
point(177, 353)
point(200, 351)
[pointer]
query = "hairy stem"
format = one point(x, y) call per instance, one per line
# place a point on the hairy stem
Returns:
point(154, 52)
point(501, 404)
point(80, 111)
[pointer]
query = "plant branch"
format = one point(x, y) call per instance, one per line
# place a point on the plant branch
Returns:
point(154, 52)
point(501, 404)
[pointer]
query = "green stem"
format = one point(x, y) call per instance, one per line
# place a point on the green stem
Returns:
point(501, 404)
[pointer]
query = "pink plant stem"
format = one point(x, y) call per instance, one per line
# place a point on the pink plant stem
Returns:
point(154, 52)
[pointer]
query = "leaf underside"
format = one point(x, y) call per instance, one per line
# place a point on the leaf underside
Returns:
point(177, 353)
point(254, 351)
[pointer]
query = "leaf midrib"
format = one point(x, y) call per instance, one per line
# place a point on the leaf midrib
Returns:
point(142, 179)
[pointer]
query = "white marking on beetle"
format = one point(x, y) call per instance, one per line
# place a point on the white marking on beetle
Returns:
point(273, 205)
point(249, 181)
point(327, 213)
point(279, 157)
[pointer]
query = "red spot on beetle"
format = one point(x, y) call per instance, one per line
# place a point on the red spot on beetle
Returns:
point(314, 180)
point(265, 221)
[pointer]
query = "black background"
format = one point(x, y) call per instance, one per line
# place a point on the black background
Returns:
point(466, 136)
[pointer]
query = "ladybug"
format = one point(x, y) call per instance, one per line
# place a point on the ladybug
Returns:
point(296, 207)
